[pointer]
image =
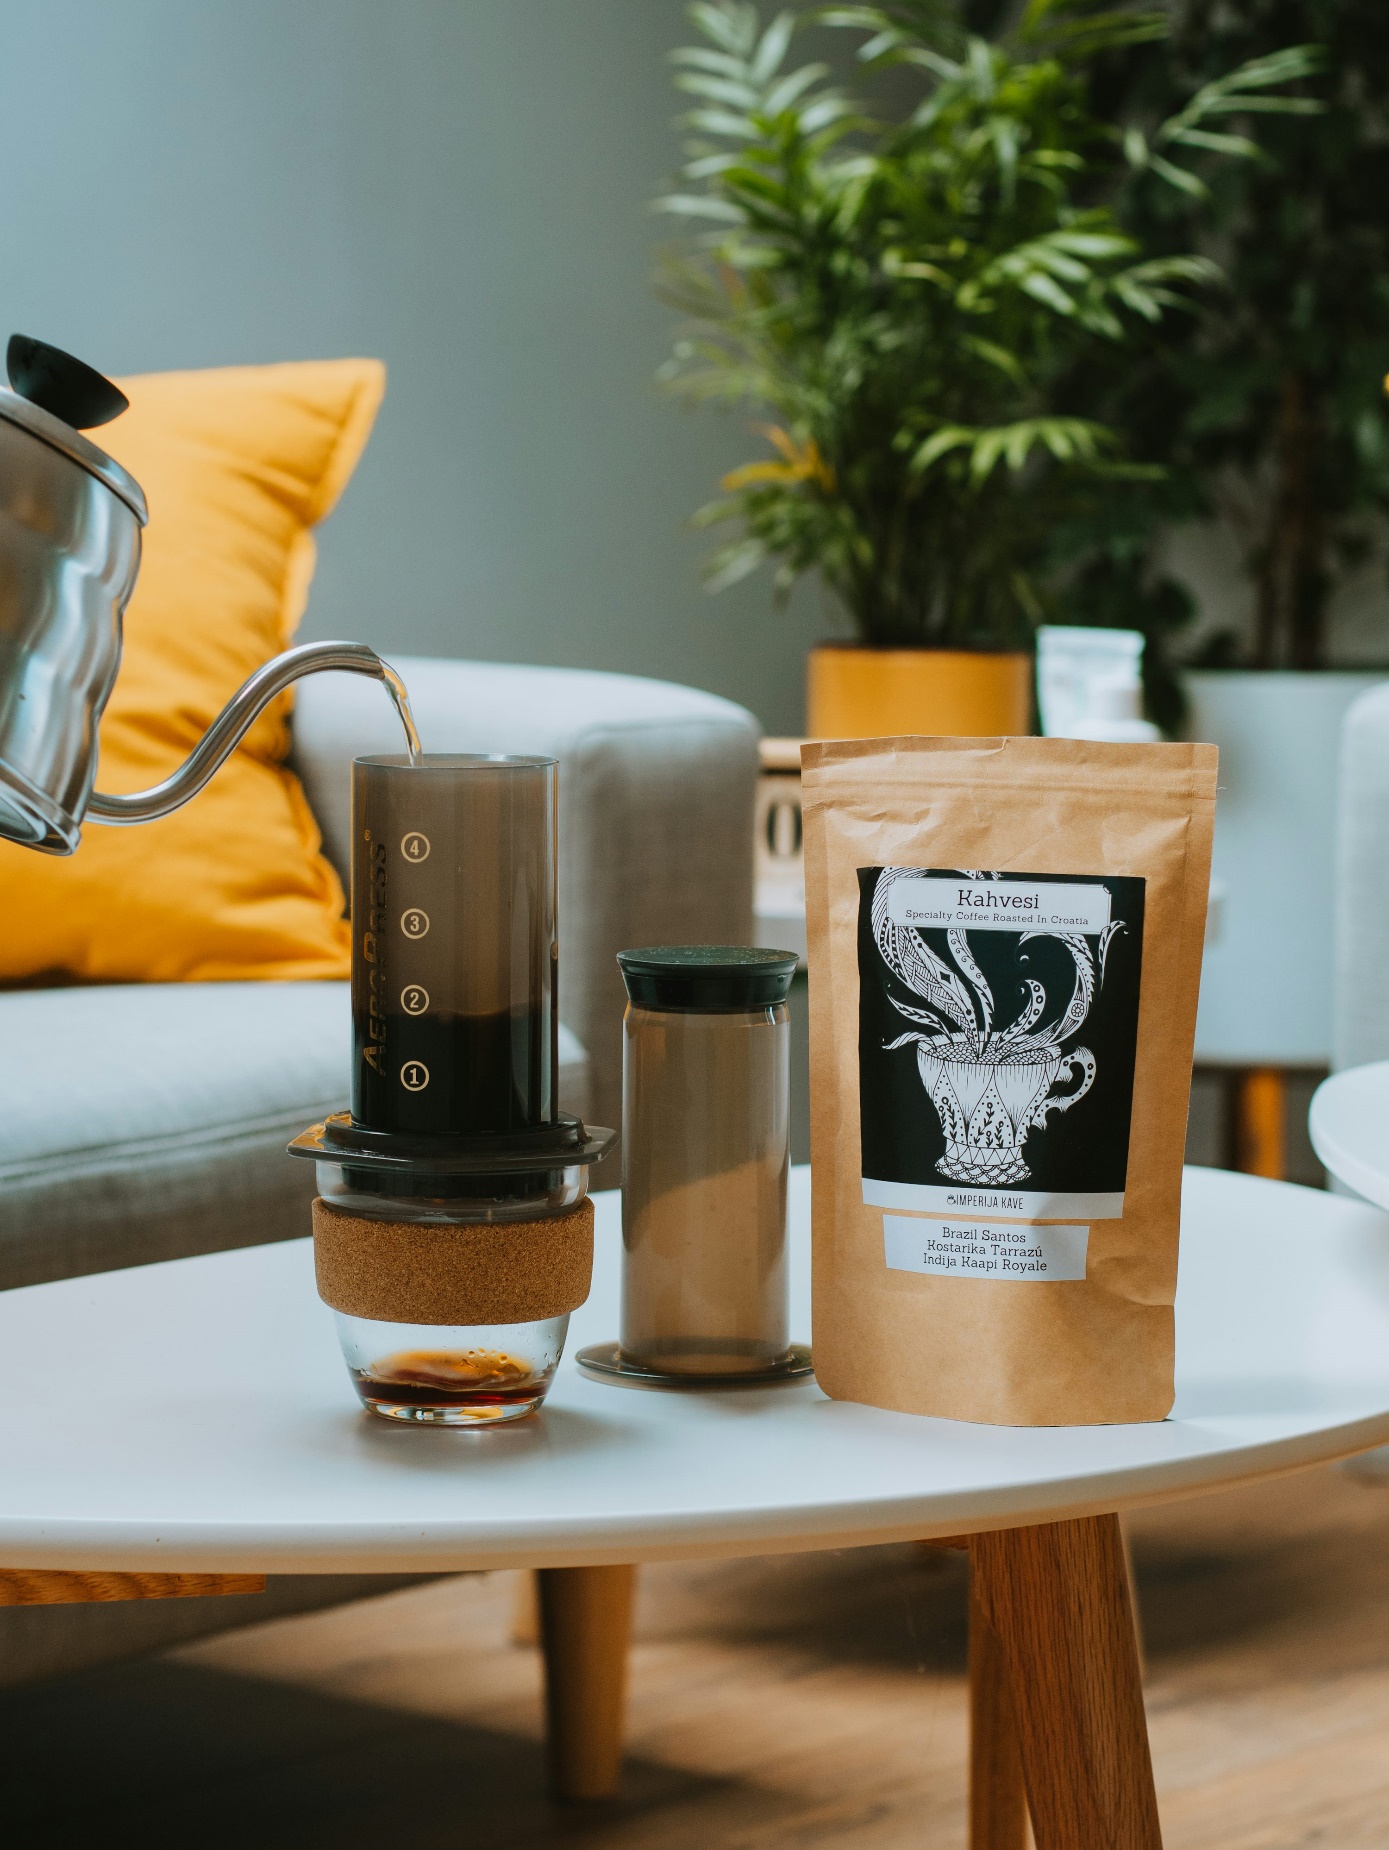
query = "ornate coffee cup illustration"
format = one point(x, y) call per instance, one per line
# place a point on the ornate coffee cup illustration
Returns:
point(991, 1085)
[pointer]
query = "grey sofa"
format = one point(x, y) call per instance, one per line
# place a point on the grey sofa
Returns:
point(144, 1123)
point(1360, 971)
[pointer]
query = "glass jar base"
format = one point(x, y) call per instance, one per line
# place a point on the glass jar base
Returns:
point(606, 1361)
point(483, 1410)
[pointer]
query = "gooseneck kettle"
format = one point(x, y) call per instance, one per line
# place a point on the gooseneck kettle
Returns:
point(70, 521)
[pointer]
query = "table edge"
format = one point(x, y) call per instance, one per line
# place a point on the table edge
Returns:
point(1369, 1183)
point(680, 1535)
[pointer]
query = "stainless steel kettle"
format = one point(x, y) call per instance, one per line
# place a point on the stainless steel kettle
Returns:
point(70, 521)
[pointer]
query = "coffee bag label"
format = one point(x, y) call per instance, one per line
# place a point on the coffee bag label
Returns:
point(998, 1023)
point(984, 1248)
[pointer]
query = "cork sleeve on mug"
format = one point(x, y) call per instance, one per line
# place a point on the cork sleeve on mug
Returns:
point(406, 1272)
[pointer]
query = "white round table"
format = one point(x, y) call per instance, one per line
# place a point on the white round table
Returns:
point(197, 1417)
point(1349, 1127)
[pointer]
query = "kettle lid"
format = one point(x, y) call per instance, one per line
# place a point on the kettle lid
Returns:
point(52, 395)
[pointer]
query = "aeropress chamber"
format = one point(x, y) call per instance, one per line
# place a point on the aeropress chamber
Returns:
point(452, 1230)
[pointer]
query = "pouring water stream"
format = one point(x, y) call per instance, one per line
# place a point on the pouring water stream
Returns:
point(395, 687)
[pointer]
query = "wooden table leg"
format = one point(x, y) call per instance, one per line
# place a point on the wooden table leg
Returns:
point(524, 1626)
point(25, 1586)
point(997, 1800)
point(585, 1626)
point(1056, 1598)
point(1131, 1575)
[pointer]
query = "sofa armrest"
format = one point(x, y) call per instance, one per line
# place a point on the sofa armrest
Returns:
point(656, 794)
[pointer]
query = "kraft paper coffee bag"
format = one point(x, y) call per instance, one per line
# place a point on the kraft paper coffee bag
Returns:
point(1005, 949)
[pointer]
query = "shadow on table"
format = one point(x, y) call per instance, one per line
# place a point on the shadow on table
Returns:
point(901, 1607)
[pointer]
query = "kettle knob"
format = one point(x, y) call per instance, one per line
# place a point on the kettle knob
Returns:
point(56, 382)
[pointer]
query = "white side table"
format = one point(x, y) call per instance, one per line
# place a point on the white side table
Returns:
point(195, 1418)
point(1349, 1127)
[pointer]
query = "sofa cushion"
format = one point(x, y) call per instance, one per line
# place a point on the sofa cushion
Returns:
point(148, 1121)
point(238, 463)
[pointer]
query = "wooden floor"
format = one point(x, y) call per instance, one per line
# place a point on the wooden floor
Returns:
point(812, 1700)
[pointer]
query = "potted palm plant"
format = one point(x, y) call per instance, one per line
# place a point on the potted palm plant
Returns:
point(1272, 419)
point(906, 296)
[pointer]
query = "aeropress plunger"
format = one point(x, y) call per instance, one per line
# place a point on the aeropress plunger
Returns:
point(452, 1234)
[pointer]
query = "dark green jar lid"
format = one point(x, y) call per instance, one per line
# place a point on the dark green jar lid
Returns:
point(707, 976)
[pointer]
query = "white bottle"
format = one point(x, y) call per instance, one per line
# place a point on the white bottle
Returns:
point(1116, 713)
point(1089, 684)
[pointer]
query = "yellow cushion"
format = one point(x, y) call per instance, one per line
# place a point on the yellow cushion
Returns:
point(238, 465)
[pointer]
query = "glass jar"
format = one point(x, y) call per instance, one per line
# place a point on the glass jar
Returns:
point(705, 1151)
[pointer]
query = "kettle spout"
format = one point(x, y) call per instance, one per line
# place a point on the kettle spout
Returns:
point(234, 721)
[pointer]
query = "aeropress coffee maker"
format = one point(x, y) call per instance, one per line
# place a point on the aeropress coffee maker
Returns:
point(452, 1233)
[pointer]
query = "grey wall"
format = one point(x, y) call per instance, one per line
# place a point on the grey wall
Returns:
point(459, 187)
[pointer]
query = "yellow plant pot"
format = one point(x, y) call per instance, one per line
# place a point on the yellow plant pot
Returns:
point(854, 693)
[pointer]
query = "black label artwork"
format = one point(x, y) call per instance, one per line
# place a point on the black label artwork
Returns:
point(998, 1021)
